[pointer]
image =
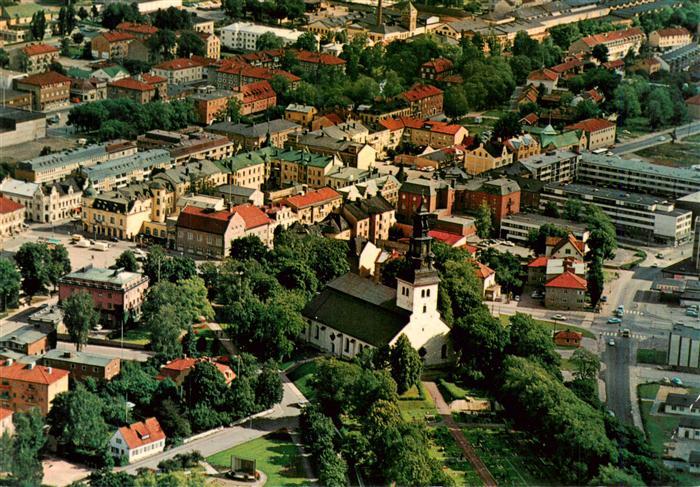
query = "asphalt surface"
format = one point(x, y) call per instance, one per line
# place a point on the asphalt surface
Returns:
point(617, 379)
point(656, 138)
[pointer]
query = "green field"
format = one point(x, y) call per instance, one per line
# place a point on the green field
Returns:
point(445, 449)
point(658, 428)
point(137, 336)
point(682, 154)
point(511, 457)
point(276, 456)
point(648, 391)
point(301, 377)
point(651, 356)
point(416, 404)
point(552, 325)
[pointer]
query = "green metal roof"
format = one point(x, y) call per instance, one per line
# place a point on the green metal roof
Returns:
point(79, 73)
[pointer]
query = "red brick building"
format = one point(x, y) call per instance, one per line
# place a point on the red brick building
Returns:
point(425, 100)
point(436, 69)
point(50, 90)
point(438, 196)
point(501, 195)
point(568, 338)
point(566, 291)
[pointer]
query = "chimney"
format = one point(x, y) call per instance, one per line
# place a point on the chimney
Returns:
point(31, 365)
point(49, 370)
point(9, 362)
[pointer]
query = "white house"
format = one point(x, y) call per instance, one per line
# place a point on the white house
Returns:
point(138, 440)
point(684, 404)
point(688, 429)
point(244, 35)
point(353, 313)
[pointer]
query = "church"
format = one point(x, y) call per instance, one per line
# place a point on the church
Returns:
point(353, 313)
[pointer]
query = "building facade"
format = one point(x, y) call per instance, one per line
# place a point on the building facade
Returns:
point(27, 386)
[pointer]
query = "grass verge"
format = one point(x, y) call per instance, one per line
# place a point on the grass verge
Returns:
point(651, 356)
point(416, 404)
point(301, 376)
point(553, 325)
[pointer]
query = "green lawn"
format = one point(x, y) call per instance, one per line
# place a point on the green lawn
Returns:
point(648, 391)
point(138, 336)
point(444, 448)
point(276, 456)
point(416, 404)
point(651, 356)
point(511, 457)
point(680, 154)
point(658, 427)
point(636, 126)
point(301, 377)
point(551, 325)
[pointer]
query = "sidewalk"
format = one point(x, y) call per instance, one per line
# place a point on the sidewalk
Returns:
point(457, 434)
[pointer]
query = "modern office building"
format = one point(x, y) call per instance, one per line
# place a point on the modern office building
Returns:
point(636, 216)
point(518, 227)
point(244, 35)
point(684, 346)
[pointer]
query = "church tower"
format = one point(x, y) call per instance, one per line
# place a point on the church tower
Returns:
point(417, 285)
point(410, 17)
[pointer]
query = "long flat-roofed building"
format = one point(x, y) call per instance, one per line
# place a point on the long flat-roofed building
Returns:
point(518, 227)
point(684, 346)
point(82, 365)
point(120, 172)
point(19, 126)
point(636, 216)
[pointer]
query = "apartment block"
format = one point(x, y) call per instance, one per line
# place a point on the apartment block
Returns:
point(27, 386)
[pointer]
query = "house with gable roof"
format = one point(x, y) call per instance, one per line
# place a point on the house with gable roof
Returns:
point(566, 291)
point(563, 247)
point(138, 440)
point(374, 315)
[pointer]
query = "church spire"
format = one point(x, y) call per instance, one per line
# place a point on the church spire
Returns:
point(420, 252)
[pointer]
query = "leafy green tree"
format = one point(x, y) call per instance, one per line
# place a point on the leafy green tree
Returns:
point(165, 328)
point(79, 316)
point(241, 396)
point(161, 43)
point(602, 241)
point(530, 339)
point(332, 470)
point(456, 103)
point(307, 41)
point(173, 19)
point(268, 386)
point(586, 109)
point(189, 43)
point(658, 107)
point(586, 364)
point(521, 66)
point(551, 210)
point(268, 41)
point(600, 53)
point(509, 270)
point(406, 365)
point(77, 422)
point(205, 384)
point(484, 225)
point(59, 264)
point(4, 58)
point(596, 279)
point(537, 239)
point(33, 261)
point(9, 284)
point(6, 452)
point(28, 440)
point(37, 26)
point(134, 383)
point(507, 126)
point(234, 9)
point(172, 420)
point(82, 13)
point(189, 343)
point(611, 475)
point(115, 13)
point(249, 247)
point(573, 210)
point(127, 261)
point(78, 37)
point(478, 330)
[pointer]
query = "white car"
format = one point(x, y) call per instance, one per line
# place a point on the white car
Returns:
point(559, 317)
point(611, 342)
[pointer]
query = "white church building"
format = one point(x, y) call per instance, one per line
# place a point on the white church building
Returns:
point(353, 313)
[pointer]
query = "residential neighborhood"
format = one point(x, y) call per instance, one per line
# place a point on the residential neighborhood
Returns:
point(350, 243)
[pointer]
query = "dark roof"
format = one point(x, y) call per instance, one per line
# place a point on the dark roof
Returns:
point(362, 209)
point(687, 422)
point(683, 400)
point(694, 457)
point(359, 308)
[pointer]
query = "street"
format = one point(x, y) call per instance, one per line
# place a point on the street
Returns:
point(656, 138)
point(617, 379)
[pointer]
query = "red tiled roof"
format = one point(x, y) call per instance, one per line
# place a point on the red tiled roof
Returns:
point(693, 100)
point(559, 242)
point(174, 367)
point(419, 124)
point(594, 95)
point(9, 206)
point(176, 64)
point(256, 72)
point(591, 125)
point(439, 65)
point(333, 118)
point(420, 91)
point(569, 65)
point(260, 90)
point(204, 61)
point(615, 35)
point(543, 74)
point(319, 58)
point(142, 433)
point(117, 36)
point(132, 84)
point(138, 28)
point(450, 239)
point(618, 63)
point(152, 79)
point(539, 262)
point(36, 49)
point(482, 271)
point(252, 216)
point(673, 31)
point(36, 375)
point(530, 119)
point(202, 220)
point(44, 79)
point(567, 280)
point(311, 198)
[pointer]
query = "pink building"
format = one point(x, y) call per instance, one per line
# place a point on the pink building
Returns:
point(117, 294)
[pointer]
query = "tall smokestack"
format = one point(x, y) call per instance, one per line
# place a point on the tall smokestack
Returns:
point(379, 13)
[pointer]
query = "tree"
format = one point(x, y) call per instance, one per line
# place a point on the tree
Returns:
point(249, 247)
point(78, 37)
point(189, 343)
point(82, 13)
point(332, 470)
point(530, 339)
point(161, 43)
point(268, 41)
point(596, 279)
point(406, 365)
point(127, 261)
point(586, 364)
point(268, 386)
point(551, 210)
point(509, 271)
point(242, 395)
point(611, 475)
point(205, 384)
point(166, 327)
point(507, 126)
point(9, 284)
point(173, 19)
point(537, 239)
point(483, 220)
point(626, 102)
point(33, 261)
point(76, 420)
point(173, 422)
point(479, 329)
point(456, 103)
point(59, 264)
point(600, 52)
point(658, 107)
point(307, 41)
point(586, 109)
point(115, 13)
point(37, 25)
point(28, 440)
point(235, 9)
point(189, 43)
point(602, 241)
point(4, 58)
point(79, 316)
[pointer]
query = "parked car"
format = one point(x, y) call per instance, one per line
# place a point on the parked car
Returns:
point(517, 298)
point(611, 342)
point(604, 299)
point(677, 381)
point(659, 255)
point(691, 312)
point(559, 317)
point(614, 321)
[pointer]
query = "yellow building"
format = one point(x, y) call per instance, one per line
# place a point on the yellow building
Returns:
point(486, 157)
point(301, 114)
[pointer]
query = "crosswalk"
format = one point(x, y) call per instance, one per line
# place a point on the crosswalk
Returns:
point(638, 336)
point(633, 312)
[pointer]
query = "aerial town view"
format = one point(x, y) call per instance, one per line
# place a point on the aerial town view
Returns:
point(349, 243)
